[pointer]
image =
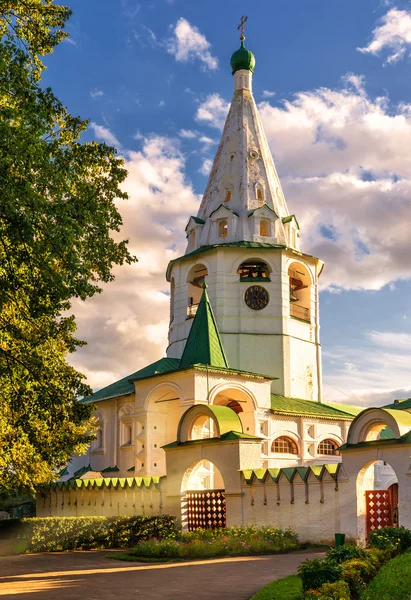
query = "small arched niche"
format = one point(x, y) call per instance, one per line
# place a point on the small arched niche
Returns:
point(195, 279)
point(300, 292)
point(254, 270)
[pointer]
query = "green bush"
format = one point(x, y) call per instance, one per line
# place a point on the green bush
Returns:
point(51, 534)
point(397, 538)
point(357, 573)
point(393, 582)
point(340, 554)
point(339, 590)
point(378, 557)
point(315, 572)
point(207, 543)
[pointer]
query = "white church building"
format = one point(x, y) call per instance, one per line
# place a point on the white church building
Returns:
point(230, 427)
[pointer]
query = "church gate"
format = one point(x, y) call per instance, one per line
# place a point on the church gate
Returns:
point(381, 508)
point(205, 509)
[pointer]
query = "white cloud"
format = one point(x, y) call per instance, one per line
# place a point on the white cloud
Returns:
point(343, 162)
point(268, 94)
point(206, 167)
point(104, 134)
point(161, 103)
point(126, 325)
point(394, 35)
point(213, 111)
point(188, 134)
point(96, 93)
point(188, 44)
point(375, 369)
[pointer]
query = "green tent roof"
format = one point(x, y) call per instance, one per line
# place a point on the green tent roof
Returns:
point(282, 405)
point(204, 345)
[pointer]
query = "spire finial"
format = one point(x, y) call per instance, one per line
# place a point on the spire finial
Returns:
point(204, 285)
point(241, 27)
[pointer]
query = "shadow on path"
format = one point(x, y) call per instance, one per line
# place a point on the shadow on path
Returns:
point(91, 576)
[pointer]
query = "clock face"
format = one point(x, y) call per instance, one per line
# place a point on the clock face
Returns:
point(256, 297)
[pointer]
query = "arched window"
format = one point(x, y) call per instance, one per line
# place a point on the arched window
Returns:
point(222, 228)
point(172, 295)
point(328, 448)
point(192, 237)
point(265, 227)
point(254, 270)
point(227, 195)
point(284, 445)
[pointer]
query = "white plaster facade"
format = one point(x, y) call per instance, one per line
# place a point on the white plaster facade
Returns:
point(169, 428)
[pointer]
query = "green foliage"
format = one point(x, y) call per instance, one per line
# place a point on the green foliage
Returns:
point(339, 590)
point(206, 543)
point(340, 554)
point(393, 582)
point(289, 588)
point(57, 217)
point(315, 572)
point(398, 539)
point(55, 534)
point(357, 573)
point(379, 557)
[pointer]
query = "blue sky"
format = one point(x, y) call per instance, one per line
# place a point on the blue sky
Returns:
point(334, 89)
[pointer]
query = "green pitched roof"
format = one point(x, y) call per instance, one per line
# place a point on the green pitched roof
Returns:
point(125, 386)
point(400, 404)
point(281, 405)
point(348, 408)
point(204, 345)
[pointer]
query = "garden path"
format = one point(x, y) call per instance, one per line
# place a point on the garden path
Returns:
point(92, 576)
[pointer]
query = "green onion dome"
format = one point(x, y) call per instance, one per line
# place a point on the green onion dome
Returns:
point(242, 59)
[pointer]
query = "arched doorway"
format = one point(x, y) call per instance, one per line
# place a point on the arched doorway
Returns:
point(203, 499)
point(377, 498)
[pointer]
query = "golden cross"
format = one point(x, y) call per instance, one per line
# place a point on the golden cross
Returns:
point(241, 27)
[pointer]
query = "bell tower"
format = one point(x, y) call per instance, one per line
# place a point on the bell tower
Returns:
point(245, 244)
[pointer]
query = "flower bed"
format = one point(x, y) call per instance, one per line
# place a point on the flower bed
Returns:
point(206, 543)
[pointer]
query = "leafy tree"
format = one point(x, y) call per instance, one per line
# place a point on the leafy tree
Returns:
point(57, 214)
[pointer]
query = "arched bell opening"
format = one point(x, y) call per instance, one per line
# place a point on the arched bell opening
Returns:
point(254, 270)
point(300, 292)
point(195, 279)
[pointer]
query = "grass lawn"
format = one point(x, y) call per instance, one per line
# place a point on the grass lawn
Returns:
point(393, 582)
point(289, 588)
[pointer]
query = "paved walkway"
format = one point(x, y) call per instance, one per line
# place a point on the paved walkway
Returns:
point(91, 576)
